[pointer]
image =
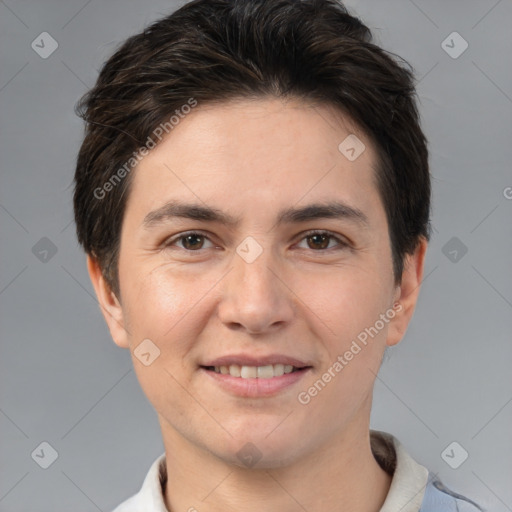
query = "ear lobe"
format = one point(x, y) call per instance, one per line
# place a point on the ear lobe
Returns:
point(407, 293)
point(109, 304)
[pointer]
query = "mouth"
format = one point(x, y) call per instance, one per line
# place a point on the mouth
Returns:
point(268, 371)
point(250, 377)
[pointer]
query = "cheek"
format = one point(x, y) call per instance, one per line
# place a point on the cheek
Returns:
point(163, 308)
point(351, 305)
point(349, 301)
point(166, 306)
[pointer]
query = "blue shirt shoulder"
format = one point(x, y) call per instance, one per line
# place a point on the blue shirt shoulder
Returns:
point(438, 498)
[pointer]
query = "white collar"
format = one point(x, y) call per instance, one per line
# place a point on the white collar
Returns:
point(410, 479)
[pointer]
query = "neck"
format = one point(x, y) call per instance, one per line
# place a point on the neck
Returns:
point(340, 475)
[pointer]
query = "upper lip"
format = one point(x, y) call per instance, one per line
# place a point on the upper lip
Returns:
point(248, 360)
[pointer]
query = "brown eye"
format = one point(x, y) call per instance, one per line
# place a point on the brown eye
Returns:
point(191, 241)
point(319, 241)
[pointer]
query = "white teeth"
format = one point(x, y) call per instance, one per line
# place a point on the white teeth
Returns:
point(248, 372)
point(253, 372)
point(265, 372)
point(278, 370)
point(234, 370)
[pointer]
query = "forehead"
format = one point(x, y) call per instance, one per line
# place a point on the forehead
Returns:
point(269, 149)
point(245, 128)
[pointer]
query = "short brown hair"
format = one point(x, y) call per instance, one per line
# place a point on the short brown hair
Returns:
point(219, 50)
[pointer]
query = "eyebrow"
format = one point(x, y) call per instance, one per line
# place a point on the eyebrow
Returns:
point(330, 210)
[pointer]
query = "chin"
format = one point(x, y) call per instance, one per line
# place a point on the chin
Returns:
point(255, 448)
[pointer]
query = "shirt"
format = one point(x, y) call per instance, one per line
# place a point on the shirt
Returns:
point(413, 488)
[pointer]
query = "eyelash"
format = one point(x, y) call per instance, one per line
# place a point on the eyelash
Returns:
point(341, 243)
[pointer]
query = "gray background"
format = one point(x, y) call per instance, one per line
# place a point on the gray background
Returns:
point(62, 379)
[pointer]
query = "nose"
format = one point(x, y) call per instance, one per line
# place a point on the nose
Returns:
point(255, 296)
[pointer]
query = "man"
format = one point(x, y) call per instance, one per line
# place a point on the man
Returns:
point(253, 195)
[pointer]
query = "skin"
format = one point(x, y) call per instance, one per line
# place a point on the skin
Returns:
point(251, 158)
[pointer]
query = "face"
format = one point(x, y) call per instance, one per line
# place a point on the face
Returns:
point(222, 264)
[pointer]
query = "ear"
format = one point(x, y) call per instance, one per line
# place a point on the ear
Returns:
point(109, 304)
point(407, 293)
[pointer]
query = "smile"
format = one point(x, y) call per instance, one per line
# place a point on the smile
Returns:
point(255, 381)
point(254, 372)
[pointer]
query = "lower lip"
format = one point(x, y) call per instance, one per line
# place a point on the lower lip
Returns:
point(253, 388)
